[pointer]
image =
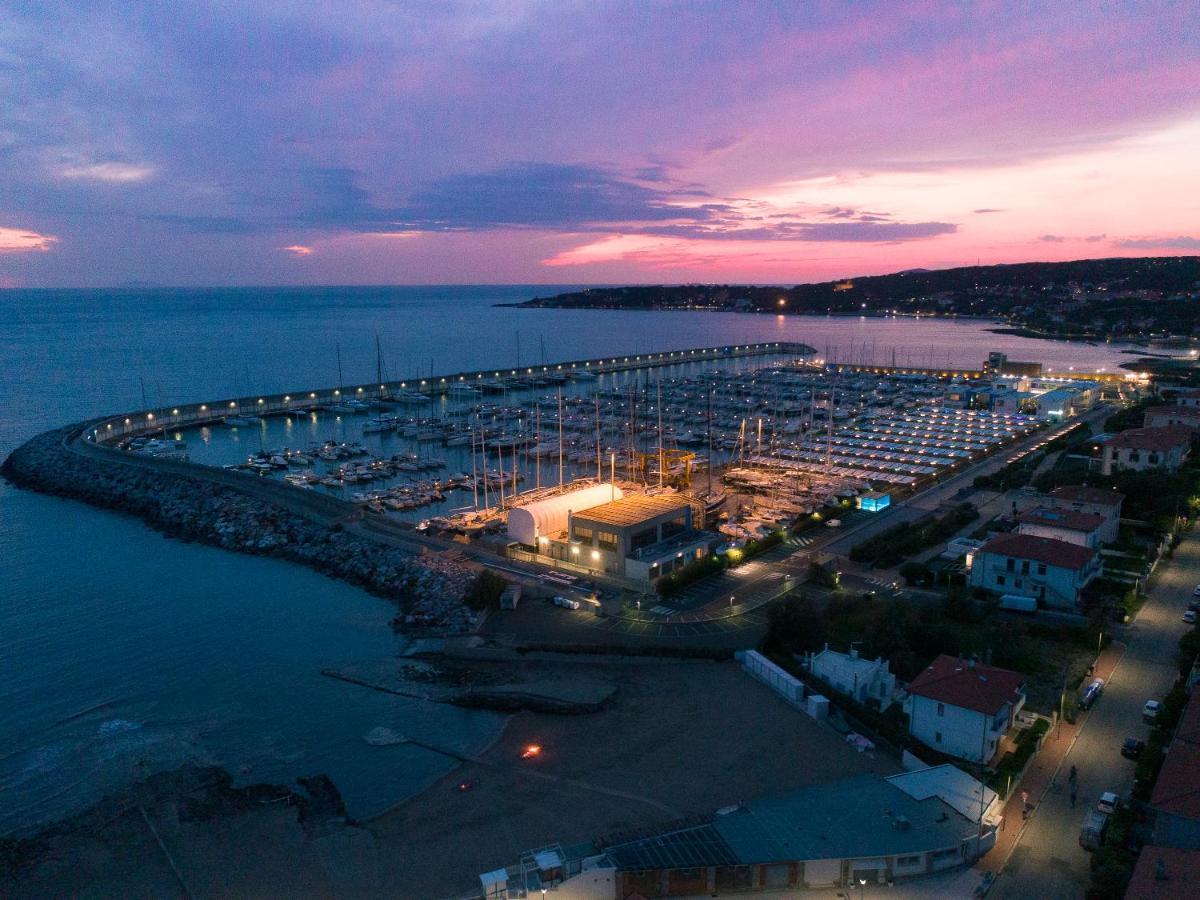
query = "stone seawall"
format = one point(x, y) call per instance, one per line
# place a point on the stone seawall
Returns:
point(427, 587)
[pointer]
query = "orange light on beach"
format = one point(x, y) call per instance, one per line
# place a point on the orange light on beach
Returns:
point(532, 751)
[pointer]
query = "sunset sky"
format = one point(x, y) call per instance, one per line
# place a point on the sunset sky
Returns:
point(260, 142)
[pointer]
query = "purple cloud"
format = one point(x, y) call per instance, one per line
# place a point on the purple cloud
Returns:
point(1179, 242)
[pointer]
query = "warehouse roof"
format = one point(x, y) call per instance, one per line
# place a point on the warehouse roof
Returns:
point(866, 816)
point(633, 509)
point(1077, 493)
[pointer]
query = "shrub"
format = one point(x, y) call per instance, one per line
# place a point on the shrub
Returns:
point(485, 590)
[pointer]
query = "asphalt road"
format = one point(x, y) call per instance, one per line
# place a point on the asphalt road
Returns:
point(1048, 862)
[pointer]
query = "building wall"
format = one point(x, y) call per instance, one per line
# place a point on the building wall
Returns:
point(1160, 418)
point(961, 730)
point(1111, 528)
point(1058, 587)
point(1130, 459)
point(1081, 538)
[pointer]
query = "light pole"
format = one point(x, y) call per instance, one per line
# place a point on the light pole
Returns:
point(862, 887)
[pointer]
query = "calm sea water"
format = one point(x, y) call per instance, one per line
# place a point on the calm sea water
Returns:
point(123, 653)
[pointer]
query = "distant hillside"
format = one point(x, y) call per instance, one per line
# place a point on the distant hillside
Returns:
point(1090, 297)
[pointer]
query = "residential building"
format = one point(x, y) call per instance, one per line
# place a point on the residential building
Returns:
point(862, 679)
point(1051, 571)
point(1140, 449)
point(859, 831)
point(963, 708)
point(1176, 795)
point(1082, 528)
point(1165, 873)
point(1104, 503)
point(1185, 414)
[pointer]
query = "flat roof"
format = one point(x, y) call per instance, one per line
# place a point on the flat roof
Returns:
point(632, 509)
point(862, 817)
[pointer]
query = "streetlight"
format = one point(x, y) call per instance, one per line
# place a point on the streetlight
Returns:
point(862, 886)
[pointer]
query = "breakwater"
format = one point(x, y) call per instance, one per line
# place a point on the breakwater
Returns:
point(184, 502)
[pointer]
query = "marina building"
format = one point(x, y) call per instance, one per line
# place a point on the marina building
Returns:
point(963, 708)
point(860, 831)
point(638, 537)
point(1051, 571)
point(1140, 449)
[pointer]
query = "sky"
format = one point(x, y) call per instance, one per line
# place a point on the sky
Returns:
point(553, 141)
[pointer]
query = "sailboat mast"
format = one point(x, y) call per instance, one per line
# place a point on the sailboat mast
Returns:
point(560, 440)
point(474, 471)
point(708, 433)
point(658, 385)
point(537, 436)
point(599, 474)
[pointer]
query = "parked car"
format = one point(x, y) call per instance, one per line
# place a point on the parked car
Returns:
point(566, 602)
point(1108, 803)
point(1091, 693)
point(834, 523)
point(1196, 591)
point(1132, 748)
point(1150, 711)
point(1190, 617)
point(1091, 835)
point(1195, 605)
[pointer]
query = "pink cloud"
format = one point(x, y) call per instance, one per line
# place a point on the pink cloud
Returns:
point(298, 250)
point(17, 240)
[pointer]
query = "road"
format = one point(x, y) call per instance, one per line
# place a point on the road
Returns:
point(1048, 862)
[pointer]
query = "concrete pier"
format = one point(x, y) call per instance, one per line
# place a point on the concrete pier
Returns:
point(187, 414)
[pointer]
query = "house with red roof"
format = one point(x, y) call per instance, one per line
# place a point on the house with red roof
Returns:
point(1100, 501)
point(1140, 449)
point(1185, 414)
point(1051, 571)
point(1176, 796)
point(963, 708)
point(1082, 528)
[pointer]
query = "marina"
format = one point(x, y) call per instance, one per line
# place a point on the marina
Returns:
point(755, 437)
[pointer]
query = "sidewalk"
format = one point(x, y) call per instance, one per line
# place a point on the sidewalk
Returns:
point(1043, 771)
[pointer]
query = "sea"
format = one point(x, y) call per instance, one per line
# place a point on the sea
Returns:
point(123, 653)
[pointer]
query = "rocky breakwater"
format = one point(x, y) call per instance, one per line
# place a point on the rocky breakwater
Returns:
point(427, 587)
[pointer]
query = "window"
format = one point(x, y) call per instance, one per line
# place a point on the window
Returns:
point(941, 709)
point(1024, 567)
point(583, 533)
point(1000, 580)
point(1018, 583)
point(607, 541)
point(937, 737)
point(1153, 459)
point(1010, 565)
point(1041, 568)
point(908, 861)
point(1134, 456)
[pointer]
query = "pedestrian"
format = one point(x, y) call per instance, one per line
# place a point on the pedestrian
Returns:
point(1072, 797)
point(1073, 777)
point(1025, 804)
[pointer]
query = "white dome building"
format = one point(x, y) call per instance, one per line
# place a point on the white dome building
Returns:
point(549, 517)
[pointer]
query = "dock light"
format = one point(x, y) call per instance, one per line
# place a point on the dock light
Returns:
point(174, 412)
point(531, 751)
point(595, 554)
point(422, 383)
point(126, 421)
point(150, 416)
point(203, 408)
point(359, 391)
point(260, 400)
point(575, 549)
point(232, 404)
point(110, 424)
point(336, 392)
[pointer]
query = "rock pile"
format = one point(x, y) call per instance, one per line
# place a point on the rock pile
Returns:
point(427, 587)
